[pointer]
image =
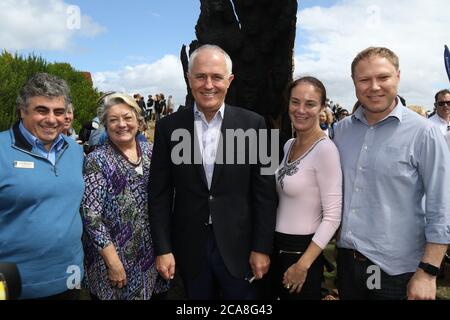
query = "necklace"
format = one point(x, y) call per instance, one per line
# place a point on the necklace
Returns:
point(138, 163)
point(291, 168)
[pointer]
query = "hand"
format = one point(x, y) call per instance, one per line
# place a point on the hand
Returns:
point(422, 286)
point(117, 275)
point(165, 264)
point(259, 262)
point(295, 277)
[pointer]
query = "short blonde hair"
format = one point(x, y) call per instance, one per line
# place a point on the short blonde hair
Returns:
point(115, 98)
point(376, 51)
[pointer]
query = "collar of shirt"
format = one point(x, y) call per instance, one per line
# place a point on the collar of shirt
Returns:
point(201, 116)
point(440, 120)
point(397, 112)
point(36, 143)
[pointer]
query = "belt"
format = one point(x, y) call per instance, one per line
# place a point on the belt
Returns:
point(358, 256)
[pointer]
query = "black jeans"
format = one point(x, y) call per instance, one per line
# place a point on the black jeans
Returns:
point(361, 279)
point(66, 295)
point(288, 250)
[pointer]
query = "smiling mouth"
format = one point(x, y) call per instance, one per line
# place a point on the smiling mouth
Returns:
point(120, 133)
point(375, 97)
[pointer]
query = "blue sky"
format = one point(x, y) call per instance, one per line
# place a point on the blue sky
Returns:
point(135, 31)
point(134, 45)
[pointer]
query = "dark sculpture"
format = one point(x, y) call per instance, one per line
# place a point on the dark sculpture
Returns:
point(259, 36)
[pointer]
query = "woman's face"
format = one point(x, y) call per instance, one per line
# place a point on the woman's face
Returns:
point(323, 117)
point(68, 119)
point(305, 107)
point(122, 124)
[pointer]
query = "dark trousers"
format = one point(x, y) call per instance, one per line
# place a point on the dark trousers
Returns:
point(214, 281)
point(66, 295)
point(357, 279)
point(288, 250)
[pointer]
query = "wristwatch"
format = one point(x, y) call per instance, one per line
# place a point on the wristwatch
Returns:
point(429, 268)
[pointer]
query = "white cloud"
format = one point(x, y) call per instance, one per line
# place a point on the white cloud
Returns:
point(329, 38)
point(44, 24)
point(163, 76)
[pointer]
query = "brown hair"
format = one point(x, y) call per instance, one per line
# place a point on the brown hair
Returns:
point(444, 91)
point(316, 83)
point(376, 51)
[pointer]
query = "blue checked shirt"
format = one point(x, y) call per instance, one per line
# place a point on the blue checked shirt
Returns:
point(388, 168)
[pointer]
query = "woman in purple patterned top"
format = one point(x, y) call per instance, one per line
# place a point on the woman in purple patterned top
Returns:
point(119, 257)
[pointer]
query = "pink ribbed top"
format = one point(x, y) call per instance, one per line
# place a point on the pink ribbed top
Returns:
point(310, 192)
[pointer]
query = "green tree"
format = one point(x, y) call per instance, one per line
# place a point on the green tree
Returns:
point(16, 69)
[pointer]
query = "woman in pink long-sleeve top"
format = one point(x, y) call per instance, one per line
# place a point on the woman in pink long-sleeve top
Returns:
point(309, 185)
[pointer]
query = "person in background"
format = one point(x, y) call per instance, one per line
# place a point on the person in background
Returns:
point(342, 114)
point(149, 113)
point(68, 130)
point(120, 259)
point(41, 186)
point(162, 104)
point(309, 185)
point(158, 107)
point(326, 122)
point(170, 105)
point(442, 107)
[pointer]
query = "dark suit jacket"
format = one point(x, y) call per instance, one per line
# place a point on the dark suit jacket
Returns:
point(241, 202)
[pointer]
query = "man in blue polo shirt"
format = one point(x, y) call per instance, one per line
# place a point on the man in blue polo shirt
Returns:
point(41, 186)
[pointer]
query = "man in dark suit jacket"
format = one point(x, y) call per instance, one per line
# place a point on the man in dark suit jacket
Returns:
point(215, 220)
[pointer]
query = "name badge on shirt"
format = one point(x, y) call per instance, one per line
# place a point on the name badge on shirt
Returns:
point(23, 165)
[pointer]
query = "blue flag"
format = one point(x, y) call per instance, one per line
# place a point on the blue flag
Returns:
point(447, 61)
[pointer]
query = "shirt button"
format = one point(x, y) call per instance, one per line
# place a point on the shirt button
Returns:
point(357, 189)
point(360, 168)
point(365, 147)
point(211, 198)
point(353, 211)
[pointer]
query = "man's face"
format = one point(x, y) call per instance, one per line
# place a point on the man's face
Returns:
point(376, 84)
point(443, 110)
point(44, 118)
point(68, 119)
point(209, 80)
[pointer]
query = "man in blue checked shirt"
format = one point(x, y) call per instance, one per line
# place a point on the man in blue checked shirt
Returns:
point(390, 246)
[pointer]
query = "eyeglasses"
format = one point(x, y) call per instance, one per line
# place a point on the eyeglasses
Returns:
point(443, 103)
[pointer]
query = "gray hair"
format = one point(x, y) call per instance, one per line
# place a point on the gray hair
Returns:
point(212, 47)
point(43, 85)
point(70, 107)
point(115, 98)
